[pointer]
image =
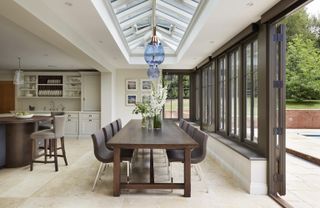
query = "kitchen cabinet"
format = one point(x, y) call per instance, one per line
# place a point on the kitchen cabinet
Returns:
point(90, 92)
point(72, 124)
point(89, 122)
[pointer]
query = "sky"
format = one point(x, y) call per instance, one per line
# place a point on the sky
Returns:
point(313, 8)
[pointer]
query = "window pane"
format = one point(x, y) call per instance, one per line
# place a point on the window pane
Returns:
point(204, 98)
point(255, 90)
point(198, 96)
point(186, 97)
point(232, 93)
point(237, 93)
point(248, 91)
point(171, 105)
point(222, 94)
point(211, 97)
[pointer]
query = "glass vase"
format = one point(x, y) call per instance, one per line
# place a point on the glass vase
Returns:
point(144, 122)
point(150, 123)
point(157, 121)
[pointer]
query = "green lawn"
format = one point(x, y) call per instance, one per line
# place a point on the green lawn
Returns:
point(309, 104)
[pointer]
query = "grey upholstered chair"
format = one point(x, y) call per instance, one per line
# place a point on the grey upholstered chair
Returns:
point(105, 155)
point(181, 122)
point(50, 136)
point(197, 155)
point(119, 124)
point(185, 126)
point(108, 133)
point(191, 129)
point(115, 128)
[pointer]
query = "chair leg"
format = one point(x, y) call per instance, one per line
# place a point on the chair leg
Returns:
point(171, 177)
point(32, 154)
point(54, 141)
point(63, 151)
point(128, 170)
point(202, 178)
point(97, 176)
point(45, 151)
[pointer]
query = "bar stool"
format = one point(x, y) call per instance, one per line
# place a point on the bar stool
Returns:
point(50, 136)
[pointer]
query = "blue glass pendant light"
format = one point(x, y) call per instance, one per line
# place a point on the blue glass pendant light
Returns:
point(154, 56)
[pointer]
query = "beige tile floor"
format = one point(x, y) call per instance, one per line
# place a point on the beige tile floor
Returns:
point(71, 186)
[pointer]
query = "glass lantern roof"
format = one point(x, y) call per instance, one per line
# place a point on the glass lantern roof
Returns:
point(135, 19)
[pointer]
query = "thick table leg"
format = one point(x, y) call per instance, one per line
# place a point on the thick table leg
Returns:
point(187, 172)
point(151, 167)
point(116, 171)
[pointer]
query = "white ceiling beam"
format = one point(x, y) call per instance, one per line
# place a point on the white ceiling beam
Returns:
point(191, 3)
point(171, 19)
point(174, 9)
point(134, 9)
point(133, 20)
point(135, 34)
point(164, 31)
point(168, 39)
point(118, 3)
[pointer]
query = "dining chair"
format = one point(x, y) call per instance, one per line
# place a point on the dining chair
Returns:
point(50, 136)
point(105, 155)
point(119, 123)
point(115, 128)
point(185, 126)
point(108, 133)
point(191, 130)
point(197, 155)
point(181, 122)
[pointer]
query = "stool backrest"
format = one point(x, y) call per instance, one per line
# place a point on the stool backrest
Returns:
point(58, 126)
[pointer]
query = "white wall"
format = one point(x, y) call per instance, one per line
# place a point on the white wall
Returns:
point(121, 110)
point(6, 75)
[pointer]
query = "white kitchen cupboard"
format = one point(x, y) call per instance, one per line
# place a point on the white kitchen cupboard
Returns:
point(90, 92)
point(72, 124)
point(89, 122)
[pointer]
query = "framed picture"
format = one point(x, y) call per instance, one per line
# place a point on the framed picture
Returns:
point(131, 85)
point(145, 98)
point(146, 85)
point(131, 99)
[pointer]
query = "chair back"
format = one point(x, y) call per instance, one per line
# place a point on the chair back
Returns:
point(190, 130)
point(181, 122)
point(119, 124)
point(199, 153)
point(114, 126)
point(185, 126)
point(107, 130)
point(100, 150)
point(58, 126)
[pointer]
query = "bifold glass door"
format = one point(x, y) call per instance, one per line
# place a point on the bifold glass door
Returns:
point(177, 105)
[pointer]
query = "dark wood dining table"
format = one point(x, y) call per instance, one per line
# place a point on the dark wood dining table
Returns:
point(170, 136)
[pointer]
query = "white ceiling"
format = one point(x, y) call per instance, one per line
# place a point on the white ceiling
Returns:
point(34, 52)
point(83, 34)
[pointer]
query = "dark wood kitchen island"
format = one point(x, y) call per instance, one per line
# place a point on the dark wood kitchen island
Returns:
point(16, 133)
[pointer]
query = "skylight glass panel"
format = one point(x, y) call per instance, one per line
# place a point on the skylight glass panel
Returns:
point(173, 18)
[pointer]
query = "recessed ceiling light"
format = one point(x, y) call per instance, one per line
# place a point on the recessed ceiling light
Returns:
point(249, 4)
point(68, 3)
